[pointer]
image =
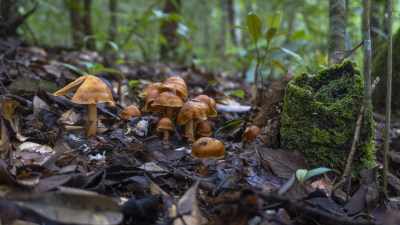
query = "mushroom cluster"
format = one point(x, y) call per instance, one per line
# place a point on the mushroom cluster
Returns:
point(166, 99)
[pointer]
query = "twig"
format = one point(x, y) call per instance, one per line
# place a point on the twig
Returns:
point(346, 172)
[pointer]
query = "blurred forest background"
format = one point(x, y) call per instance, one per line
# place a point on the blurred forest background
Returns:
point(207, 33)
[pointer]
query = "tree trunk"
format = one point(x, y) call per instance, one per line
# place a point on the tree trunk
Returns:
point(168, 30)
point(367, 52)
point(222, 30)
point(76, 23)
point(291, 19)
point(87, 25)
point(231, 16)
point(112, 32)
point(5, 9)
point(337, 29)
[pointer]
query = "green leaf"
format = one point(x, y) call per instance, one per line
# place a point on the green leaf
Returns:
point(270, 34)
point(254, 25)
point(133, 82)
point(111, 70)
point(274, 19)
point(211, 82)
point(301, 175)
point(119, 61)
point(230, 125)
point(113, 45)
point(237, 93)
point(296, 56)
point(279, 65)
point(74, 68)
point(240, 27)
point(318, 171)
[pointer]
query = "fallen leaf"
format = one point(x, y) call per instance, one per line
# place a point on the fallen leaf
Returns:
point(188, 208)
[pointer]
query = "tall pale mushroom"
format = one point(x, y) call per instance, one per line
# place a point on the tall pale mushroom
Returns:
point(90, 90)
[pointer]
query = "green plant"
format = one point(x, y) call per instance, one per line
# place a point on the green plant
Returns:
point(237, 93)
point(303, 174)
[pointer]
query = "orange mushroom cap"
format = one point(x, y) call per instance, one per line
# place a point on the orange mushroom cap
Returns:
point(167, 99)
point(192, 110)
point(150, 97)
point(148, 89)
point(210, 102)
point(165, 124)
point(251, 133)
point(130, 112)
point(89, 90)
point(177, 84)
point(203, 128)
point(208, 148)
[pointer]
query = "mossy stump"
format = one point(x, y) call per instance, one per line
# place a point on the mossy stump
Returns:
point(319, 118)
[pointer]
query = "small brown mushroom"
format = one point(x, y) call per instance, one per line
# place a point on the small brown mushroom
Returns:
point(203, 128)
point(208, 148)
point(130, 112)
point(250, 134)
point(210, 102)
point(167, 102)
point(149, 89)
point(191, 113)
point(90, 90)
point(177, 84)
point(150, 97)
point(165, 125)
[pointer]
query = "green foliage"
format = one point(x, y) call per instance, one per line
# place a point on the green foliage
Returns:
point(319, 118)
point(237, 93)
point(254, 26)
point(92, 68)
point(231, 125)
point(303, 174)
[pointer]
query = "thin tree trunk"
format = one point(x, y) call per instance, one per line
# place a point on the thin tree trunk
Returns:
point(222, 30)
point(87, 24)
point(76, 23)
point(168, 30)
point(231, 19)
point(337, 29)
point(388, 96)
point(5, 10)
point(367, 52)
point(291, 18)
point(112, 32)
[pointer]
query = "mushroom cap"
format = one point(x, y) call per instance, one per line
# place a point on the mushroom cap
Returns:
point(148, 89)
point(203, 128)
point(192, 110)
point(165, 124)
point(89, 90)
point(208, 148)
point(130, 112)
point(210, 102)
point(150, 97)
point(177, 84)
point(167, 99)
point(251, 133)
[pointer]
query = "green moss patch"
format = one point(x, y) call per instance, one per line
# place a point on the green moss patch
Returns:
point(319, 118)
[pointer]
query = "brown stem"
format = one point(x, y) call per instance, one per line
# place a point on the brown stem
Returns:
point(189, 131)
point(166, 135)
point(92, 117)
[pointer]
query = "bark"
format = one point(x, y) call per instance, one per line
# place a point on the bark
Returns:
point(76, 23)
point(222, 28)
point(168, 30)
point(367, 52)
point(337, 28)
point(388, 95)
point(112, 32)
point(231, 18)
point(87, 25)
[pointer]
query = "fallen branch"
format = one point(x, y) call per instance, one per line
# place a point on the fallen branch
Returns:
point(346, 173)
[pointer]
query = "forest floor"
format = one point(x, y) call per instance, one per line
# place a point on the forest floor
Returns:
point(125, 174)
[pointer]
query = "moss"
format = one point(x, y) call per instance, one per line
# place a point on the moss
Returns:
point(379, 68)
point(319, 117)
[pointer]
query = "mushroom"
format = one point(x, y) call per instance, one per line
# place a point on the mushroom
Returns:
point(191, 113)
point(203, 128)
point(165, 125)
point(208, 148)
point(167, 102)
point(150, 97)
point(177, 84)
point(250, 134)
point(130, 112)
point(90, 90)
point(210, 102)
point(148, 89)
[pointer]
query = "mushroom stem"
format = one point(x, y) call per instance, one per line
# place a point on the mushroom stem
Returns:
point(92, 117)
point(166, 135)
point(189, 131)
